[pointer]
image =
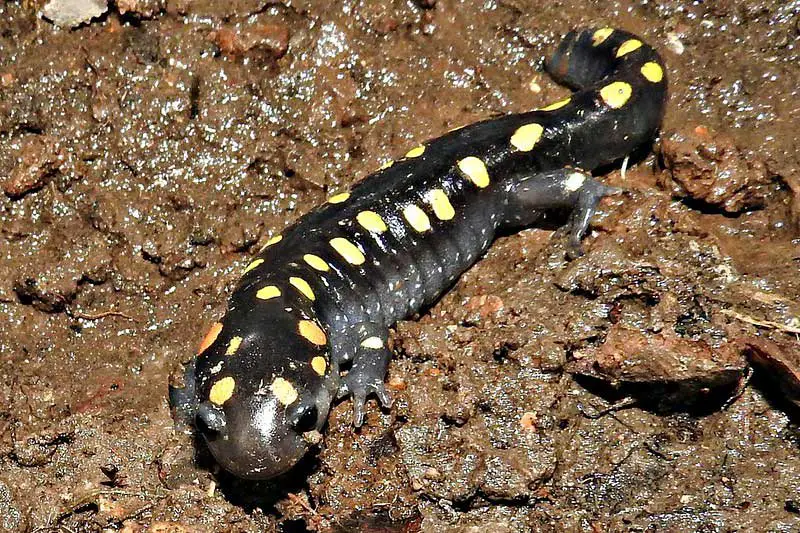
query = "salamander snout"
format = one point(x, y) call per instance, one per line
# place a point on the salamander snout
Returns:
point(251, 439)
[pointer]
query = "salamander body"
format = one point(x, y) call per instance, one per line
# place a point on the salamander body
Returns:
point(309, 320)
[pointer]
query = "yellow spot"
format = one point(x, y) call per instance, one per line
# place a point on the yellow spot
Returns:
point(374, 343)
point(417, 218)
point(316, 262)
point(371, 221)
point(628, 46)
point(416, 152)
point(475, 170)
point(348, 250)
point(526, 137)
point(653, 72)
point(312, 332)
point(302, 285)
point(211, 336)
point(319, 365)
point(233, 345)
point(222, 390)
point(339, 198)
point(283, 391)
point(274, 240)
point(574, 181)
point(268, 292)
point(556, 105)
point(616, 94)
point(601, 35)
point(251, 266)
point(442, 207)
point(386, 165)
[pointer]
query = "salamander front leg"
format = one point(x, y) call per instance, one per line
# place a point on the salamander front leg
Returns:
point(368, 371)
point(566, 188)
point(182, 397)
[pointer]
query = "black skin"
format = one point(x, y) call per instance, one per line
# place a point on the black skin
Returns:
point(252, 434)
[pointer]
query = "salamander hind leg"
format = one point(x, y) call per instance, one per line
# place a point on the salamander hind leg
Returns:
point(582, 212)
point(366, 376)
point(528, 197)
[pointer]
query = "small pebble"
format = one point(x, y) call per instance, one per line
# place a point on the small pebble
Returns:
point(674, 43)
point(72, 13)
point(432, 474)
point(528, 421)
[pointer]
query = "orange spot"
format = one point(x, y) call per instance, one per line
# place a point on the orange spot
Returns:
point(210, 337)
point(312, 332)
point(701, 130)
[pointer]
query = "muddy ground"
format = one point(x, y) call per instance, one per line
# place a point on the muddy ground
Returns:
point(651, 385)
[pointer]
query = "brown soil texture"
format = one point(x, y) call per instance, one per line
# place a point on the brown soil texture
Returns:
point(651, 385)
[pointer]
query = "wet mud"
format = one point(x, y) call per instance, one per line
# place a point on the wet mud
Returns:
point(148, 153)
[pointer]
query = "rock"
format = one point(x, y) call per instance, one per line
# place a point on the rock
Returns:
point(709, 168)
point(72, 13)
point(779, 362)
point(664, 371)
point(38, 161)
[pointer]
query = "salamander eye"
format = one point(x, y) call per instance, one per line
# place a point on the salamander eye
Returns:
point(304, 417)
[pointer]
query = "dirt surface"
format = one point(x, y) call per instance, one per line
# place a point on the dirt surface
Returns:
point(651, 385)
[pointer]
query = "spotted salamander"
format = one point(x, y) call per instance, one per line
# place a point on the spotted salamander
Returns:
point(308, 322)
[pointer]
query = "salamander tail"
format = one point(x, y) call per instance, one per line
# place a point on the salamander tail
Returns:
point(586, 57)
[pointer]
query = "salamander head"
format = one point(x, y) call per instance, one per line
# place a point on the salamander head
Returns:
point(260, 400)
point(252, 437)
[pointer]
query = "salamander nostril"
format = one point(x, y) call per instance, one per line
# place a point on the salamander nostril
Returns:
point(210, 418)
